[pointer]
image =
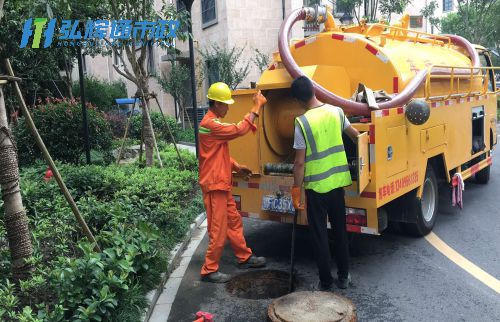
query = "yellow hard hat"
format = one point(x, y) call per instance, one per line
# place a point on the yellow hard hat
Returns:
point(220, 92)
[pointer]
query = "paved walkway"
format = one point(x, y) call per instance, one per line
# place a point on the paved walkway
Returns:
point(163, 306)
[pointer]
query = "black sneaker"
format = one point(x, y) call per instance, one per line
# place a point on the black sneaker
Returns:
point(344, 282)
point(216, 277)
point(253, 262)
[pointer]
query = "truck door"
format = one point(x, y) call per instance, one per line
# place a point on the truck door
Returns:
point(363, 160)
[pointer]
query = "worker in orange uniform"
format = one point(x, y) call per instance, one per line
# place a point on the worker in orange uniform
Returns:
point(216, 167)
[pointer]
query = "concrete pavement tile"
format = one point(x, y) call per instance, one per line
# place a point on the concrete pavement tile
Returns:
point(198, 234)
point(180, 270)
point(190, 249)
point(169, 291)
point(161, 313)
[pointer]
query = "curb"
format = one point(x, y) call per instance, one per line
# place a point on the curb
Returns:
point(175, 256)
point(186, 143)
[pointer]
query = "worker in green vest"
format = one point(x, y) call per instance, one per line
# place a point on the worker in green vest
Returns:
point(321, 165)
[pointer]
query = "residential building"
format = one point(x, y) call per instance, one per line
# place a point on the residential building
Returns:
point(244, 24)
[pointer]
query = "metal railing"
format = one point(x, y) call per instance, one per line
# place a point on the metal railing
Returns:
point(455, 75)
point(398, 33)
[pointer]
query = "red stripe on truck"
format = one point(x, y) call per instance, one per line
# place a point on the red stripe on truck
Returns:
point(337, 37)
point(300, 44)
point(371, 49)
point(372, 134)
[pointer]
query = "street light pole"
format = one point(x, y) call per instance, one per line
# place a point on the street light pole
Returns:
point(189, 4)
point(84, 106)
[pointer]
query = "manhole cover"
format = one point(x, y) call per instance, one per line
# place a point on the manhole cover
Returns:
point(256, 285)
point(312, 306)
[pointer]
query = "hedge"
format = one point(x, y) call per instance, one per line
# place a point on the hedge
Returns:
point(137, 216)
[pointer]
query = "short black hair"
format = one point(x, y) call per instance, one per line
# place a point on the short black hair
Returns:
point(302, 89)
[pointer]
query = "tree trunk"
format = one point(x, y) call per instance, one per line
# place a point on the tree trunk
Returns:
point(16, 222)
point(146, 122)
point(69, 78)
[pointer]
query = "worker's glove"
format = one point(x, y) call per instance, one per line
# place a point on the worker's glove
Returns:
point(296, 193)
point(243, 171)
point(258, 101)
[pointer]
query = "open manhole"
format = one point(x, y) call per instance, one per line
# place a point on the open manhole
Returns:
point(256, 285)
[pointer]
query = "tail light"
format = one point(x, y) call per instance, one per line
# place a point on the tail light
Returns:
point(355, 216)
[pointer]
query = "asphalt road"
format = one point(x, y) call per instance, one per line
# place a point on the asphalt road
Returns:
point(396, 278)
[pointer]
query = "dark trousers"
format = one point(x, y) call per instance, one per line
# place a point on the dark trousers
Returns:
point(318, 206)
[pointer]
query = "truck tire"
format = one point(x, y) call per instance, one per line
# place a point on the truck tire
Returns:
point(483, 175)
point(423, 210)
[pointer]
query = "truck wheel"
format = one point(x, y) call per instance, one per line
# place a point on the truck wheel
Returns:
point(483, 176)
point(423, 210)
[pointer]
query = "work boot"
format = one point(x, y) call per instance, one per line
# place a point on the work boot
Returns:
point(216, 277)
point(253, 262)
point(344, 282)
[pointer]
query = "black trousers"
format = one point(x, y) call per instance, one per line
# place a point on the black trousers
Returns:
point(318, 206)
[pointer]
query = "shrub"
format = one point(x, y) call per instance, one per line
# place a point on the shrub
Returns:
point(137, 216)
point(59, 123)
point(100, 93)
point(161, 131)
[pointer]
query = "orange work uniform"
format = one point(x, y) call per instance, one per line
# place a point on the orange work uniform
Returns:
point(216, 180)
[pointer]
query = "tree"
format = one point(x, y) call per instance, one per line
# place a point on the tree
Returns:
point(224, 65)
point(16, 221)
point(261, 60)
point(174, 83)
point(142, 10)
point(428, 13)
point(475, 20)
point(369, 9)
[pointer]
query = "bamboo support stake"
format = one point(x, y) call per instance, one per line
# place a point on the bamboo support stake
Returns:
point(52, 165)
point(170, 132)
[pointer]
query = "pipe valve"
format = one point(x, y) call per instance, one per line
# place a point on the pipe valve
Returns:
point(315, 14)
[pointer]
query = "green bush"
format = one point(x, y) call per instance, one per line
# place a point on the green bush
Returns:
point(137, 216)
point(100, 93)
point(59, 123)
point(161, 131)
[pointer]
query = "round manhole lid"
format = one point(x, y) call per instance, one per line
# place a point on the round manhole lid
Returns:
point(312, 306)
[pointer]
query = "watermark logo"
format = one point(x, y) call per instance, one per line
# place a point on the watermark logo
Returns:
point(95, 31)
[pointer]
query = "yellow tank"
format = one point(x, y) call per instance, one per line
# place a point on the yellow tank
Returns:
point(397, 162)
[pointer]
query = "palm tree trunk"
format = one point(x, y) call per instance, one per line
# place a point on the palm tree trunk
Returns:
point(16, 222)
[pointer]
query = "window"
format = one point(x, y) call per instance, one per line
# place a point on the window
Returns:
point(180, 5)
point(447, 5)
point(416, 21)
point(486, 62)
point(341, 8)
point(208, 13)
point(212, 71)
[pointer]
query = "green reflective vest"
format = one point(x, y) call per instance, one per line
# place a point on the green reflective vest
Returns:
point(326, 165)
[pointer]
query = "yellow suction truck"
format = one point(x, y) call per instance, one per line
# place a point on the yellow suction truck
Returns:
point(438, 125)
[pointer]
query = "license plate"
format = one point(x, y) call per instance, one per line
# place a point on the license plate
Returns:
point(282, 205)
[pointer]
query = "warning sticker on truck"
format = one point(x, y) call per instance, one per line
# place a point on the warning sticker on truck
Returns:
point(393, 187)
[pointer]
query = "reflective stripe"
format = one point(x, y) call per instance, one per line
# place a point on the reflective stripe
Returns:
point(323, 154)
point(326, 174)
point(307, 129)
point(204, 130)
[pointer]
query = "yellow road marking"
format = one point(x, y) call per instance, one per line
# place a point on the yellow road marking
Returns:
point(463, 262)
